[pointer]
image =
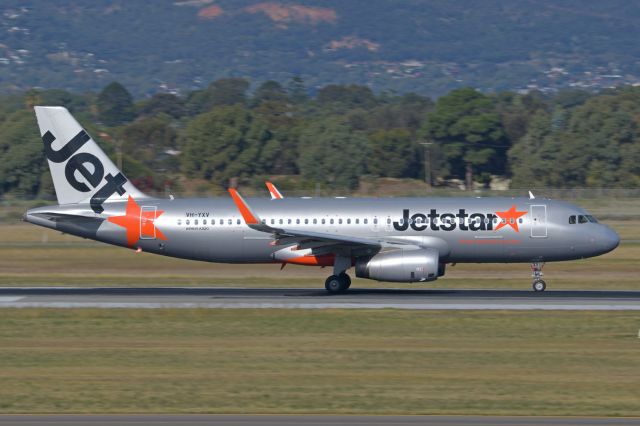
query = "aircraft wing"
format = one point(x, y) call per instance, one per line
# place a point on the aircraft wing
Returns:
point(284, 236)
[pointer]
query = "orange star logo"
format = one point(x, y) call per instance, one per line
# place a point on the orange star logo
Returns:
point(138, 223)
point(510, 217)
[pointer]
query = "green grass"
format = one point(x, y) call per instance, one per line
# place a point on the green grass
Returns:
point(334, 361)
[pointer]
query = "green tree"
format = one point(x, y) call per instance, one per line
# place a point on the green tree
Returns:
point(529, 165)
point(269, 91)
point(224, 143)
point(115, 105)
point(596, 145)
point(467, 129)
point(162, 103)
point(297, 91)
point(23, 163)
point(222, 92)
point(393, 153)
point(349, 96)
point(332, 154)
point(152, 141)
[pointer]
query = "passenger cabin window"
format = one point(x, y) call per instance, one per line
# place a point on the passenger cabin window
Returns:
point(315, 221)
point(349, 221)
point(230, 221)
point(238, 221)
point(187, 222)
point(306, 221)
point(357, 221)
point(179, 222)
point(572, 220)
point(365, 221)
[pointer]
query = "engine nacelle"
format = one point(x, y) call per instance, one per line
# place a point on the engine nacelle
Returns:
point(401, 266)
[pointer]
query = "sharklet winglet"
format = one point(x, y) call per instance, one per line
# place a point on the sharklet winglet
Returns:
point(249, 216)
point(275, 194)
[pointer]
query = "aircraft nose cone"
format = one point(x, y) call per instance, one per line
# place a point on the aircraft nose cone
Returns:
point(609, 239)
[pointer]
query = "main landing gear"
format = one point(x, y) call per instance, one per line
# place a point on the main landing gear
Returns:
point(538, 282)
point(337, 283)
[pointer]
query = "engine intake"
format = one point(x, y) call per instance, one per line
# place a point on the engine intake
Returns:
point(401, 266)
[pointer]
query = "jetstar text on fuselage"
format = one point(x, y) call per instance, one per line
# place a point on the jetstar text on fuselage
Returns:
point(445, 221)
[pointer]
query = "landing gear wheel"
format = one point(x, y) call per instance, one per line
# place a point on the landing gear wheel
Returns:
point(346, 279)
point(539, 285)
point(334, 284)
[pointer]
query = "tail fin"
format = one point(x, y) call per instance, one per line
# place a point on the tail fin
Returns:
point(81, 171)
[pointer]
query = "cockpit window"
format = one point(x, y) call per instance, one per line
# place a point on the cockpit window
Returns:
point(572, 220)
point(582, 219)
point(591, 219)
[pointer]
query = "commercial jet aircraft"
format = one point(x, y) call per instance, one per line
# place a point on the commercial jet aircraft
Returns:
point(384, 239)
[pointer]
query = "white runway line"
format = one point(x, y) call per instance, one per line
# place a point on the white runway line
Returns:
point(405, 306)
point(10, 299)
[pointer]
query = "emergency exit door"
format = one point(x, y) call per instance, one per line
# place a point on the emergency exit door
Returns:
point(147, 225)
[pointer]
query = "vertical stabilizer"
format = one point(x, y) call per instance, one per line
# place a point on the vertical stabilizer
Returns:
point(81, 171)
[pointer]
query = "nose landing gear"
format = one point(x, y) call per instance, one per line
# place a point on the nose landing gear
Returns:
point(538, 282)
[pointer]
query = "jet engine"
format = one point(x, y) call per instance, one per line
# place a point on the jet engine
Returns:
point(401, 266)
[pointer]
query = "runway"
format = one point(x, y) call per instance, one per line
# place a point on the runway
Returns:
point(279, 298)
point(275, 420)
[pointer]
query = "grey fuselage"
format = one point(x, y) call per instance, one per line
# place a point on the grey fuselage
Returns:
point(461, 229)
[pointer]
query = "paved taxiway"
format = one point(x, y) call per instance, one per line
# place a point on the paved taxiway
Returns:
point(217, 297)
point(240, 420)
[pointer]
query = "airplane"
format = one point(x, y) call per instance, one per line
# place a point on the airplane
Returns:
point(408, 240)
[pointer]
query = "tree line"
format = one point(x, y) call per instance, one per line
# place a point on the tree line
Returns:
point(229, 134)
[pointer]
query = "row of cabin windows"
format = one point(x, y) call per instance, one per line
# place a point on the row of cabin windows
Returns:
point(315, 221)
point(205, 222)
point(582, 218)
point(280, 221)
point(365, 221)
